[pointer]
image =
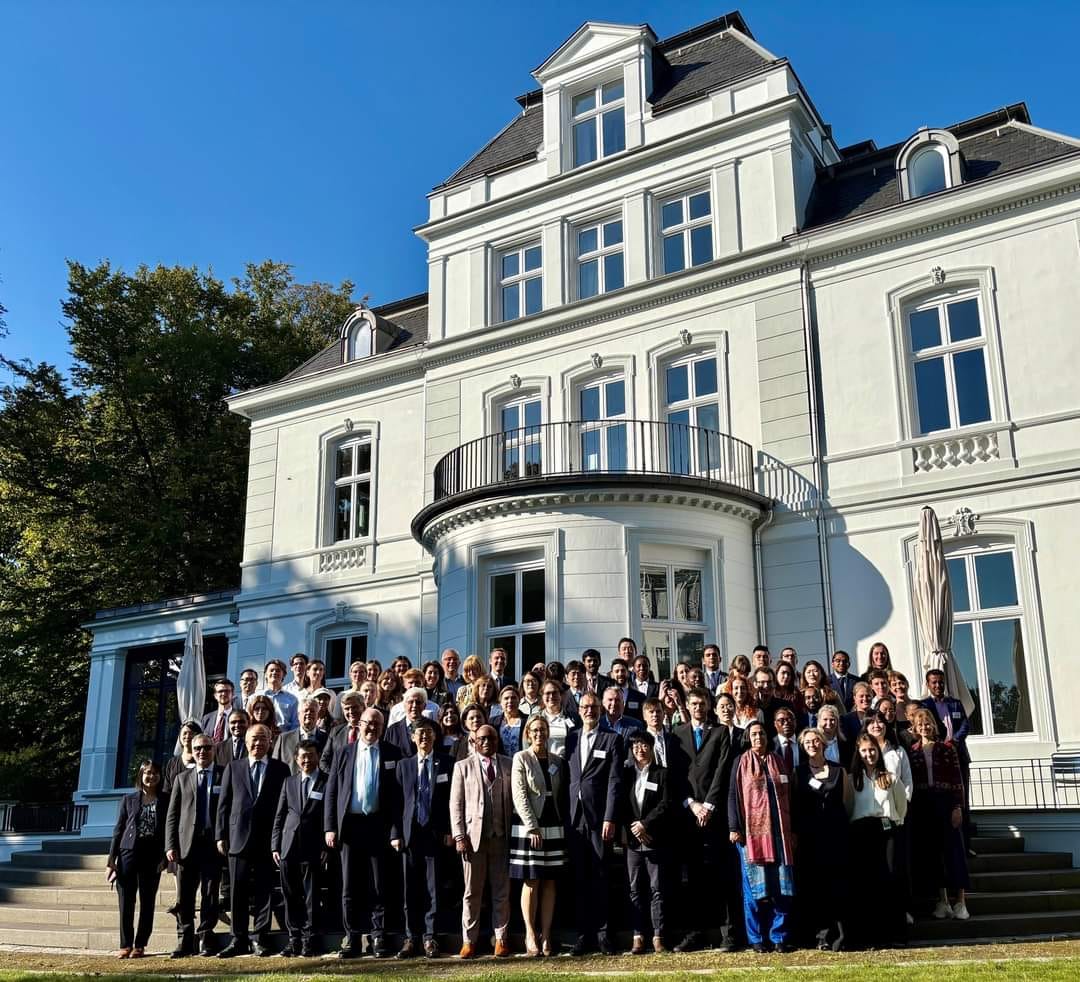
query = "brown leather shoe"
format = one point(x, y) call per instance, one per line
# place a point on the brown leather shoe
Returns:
point(137, 953)
point(502, 949)
point(658, 945)
point(431, 948)
point(638, 947)
point(124, 953)
point(468, 950)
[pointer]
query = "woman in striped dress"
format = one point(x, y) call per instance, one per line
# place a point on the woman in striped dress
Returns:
point(541, 785)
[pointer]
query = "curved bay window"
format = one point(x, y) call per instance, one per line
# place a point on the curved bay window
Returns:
point(352, 489)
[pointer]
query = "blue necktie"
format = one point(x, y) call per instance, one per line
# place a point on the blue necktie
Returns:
point(698, 735)
point(371, 790)
point(256, 775)
point(423, 804)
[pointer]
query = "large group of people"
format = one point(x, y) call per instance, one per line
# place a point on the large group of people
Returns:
point(772, 805)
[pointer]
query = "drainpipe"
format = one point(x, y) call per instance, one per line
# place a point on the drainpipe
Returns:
point(815, 449)
point(760, 524)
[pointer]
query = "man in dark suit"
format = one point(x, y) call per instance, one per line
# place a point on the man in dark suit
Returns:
point(399, 734)
point(596, 759)
point(216, 722)
point(234, 747)
point(424, 780)
point(352, 708)
point(642, 681)
point(288, 743)
point(250, 790)
point(841, 681)
point(701, 772)
point(615, 719)
point(953, 726)
point(297, 845)
point(764, 688)
point(189, 842)
point(593, 681)
point(665, 745)
point(362, 817)
point(498, 669)
point(713, 675)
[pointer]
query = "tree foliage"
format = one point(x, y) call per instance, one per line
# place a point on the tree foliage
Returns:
point(126, 482)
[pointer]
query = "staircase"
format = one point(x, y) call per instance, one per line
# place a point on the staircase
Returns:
point(58, 898)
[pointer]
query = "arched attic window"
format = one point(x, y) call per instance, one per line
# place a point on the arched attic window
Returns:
point(929, 162)
point(358, 335)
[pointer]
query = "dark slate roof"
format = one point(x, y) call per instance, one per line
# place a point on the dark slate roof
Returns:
point(990, 146)
point(685, 67)
point(409, 316)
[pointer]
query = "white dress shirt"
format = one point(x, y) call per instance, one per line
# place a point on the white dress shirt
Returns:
point(367, 758)
point(640, 781)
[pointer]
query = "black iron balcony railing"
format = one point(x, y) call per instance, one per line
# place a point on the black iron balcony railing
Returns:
point(623, 448)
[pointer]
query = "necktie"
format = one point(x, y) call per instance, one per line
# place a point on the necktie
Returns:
point(811, 719)
point(236, 754)
point(489, 771)
point(305, 789)
point(202, 803)
point(698, 737)
point(423, 804)
point(219, 730)
point(371, 790)
point(661, 755)
point(256, 777)
point(789, 757)
point(352, 736)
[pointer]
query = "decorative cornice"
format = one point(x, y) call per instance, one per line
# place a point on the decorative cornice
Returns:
point(482, 511)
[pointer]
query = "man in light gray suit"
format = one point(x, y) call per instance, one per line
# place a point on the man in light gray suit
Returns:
point(481, 809)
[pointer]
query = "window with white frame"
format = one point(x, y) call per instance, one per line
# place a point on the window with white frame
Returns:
point(602, 418)
point(520, 445)
point(947, 346)
point(988, 638)
point(515, 618)
point(692, 410)
point(686, 230)
point(599, 258)
point(361, 341)
point(672, 615)
point(339, 651)
point(597, 122)
point(352, 488)
point(928, 171)
point(521, 290)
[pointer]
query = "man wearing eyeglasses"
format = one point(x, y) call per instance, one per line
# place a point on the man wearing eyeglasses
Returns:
point(189, 842)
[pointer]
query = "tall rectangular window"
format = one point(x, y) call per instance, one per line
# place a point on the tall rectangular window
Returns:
point(988, 640)
point(672, 620)
point(598, 122)
point(599, 259)
point(516, 616)
point(686, 230)
point(947, 345)
point(602, 414)
point(340, 652)
point(521, 290)
point(520, 446)
point(692, 408)
point(352, 488)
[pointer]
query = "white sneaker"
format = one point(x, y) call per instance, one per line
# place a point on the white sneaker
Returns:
point(909, 918)
point(960, 911)
point(942, 910)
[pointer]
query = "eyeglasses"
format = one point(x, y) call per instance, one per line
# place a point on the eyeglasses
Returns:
point(201, 748)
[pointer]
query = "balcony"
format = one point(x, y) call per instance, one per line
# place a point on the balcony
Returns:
point(578, 455)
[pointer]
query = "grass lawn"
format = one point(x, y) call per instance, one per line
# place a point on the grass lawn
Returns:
point(1053, 961)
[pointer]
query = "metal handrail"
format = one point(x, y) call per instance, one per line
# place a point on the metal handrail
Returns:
point(602, 447)
point(1039, 784)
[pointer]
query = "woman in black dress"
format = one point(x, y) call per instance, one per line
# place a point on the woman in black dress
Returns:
point(184, 760)
point(541, 784)
point(822, 793)
point(137, 857)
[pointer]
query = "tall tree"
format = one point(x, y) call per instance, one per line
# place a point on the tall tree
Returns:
point(127, 483)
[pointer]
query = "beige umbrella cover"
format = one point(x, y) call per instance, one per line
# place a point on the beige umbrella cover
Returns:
point(933, 608)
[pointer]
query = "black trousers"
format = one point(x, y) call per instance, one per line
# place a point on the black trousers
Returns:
point(138, 876)
point(713, 893)
point(882, 922)
point(419, 864)
point(301, 885)
point(252, 876)
point(363, 876)
point(199, 872)
point(586, 851)
point(645, 871)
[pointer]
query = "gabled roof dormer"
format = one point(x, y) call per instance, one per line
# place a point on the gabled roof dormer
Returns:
point(594, 90)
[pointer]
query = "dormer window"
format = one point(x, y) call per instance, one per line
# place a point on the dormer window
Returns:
point(598, 122)
point(929, 162)
point(365, 333)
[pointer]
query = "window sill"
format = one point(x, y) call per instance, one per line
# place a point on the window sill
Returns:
point(947, 449)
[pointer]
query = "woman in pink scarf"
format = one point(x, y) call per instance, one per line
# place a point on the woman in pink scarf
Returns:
point(759, 816)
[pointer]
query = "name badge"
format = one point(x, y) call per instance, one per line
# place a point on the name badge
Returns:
point(632, 704)
point(652, 786)
point(553, 769)
point(547, 794)
point(956, 714)
point(783, 778)
point(569, 724)
point(216, 789)
point(442, 778)
point(814, 783)
point(315, 796)
point(389, 765)
point(600, 754)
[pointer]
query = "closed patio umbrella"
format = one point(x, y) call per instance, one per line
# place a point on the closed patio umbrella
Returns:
point(191, 682)
point(933, 608)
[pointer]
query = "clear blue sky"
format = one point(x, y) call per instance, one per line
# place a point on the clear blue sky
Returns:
point(218, 133)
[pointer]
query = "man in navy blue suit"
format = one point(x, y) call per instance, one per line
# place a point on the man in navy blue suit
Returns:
point(362, 818)
point(424, 780)
point(297, 845)
point(596, 760)
point(842, 682)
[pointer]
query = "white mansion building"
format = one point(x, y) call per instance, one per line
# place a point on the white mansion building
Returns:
point(686, 370)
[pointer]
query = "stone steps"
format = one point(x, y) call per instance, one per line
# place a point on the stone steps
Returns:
point(999, 927)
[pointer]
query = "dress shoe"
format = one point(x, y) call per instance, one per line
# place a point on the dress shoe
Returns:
point(349, 951)
point(431, 948)
point(261, 950)
point(235, 948)
point(605, 946)
point(502, 949)
point(729, 945)
point(308, 950)
point(291, 950)
point(182, 952)
point(124, 953)
point(208, 946)
point(223, 916)
point(137, 953)
point(468, 950)
point(581, 947)
point(690, 943)
point(638, 947)
point(658, 945)
point(379, 948)
point(408, 949)
point(784, 948)
point(760, 949)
